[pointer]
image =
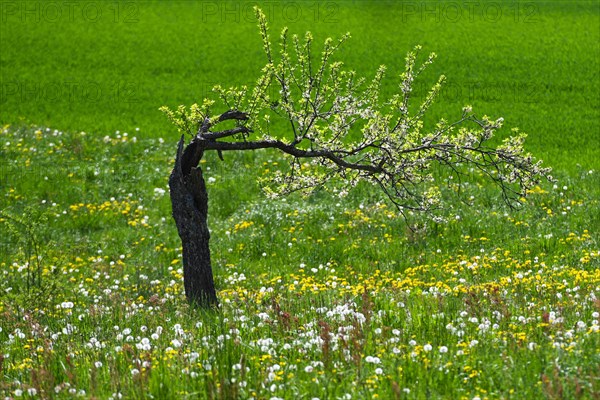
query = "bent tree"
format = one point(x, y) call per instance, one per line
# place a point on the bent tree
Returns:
point(333, 126)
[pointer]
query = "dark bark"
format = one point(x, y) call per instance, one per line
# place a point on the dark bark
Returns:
point(190, 210)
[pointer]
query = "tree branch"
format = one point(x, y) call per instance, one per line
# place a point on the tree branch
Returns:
point(227, 115)
point(291, 150)
point(222, 134)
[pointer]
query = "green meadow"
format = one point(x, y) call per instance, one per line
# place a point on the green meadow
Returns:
point(321, 296)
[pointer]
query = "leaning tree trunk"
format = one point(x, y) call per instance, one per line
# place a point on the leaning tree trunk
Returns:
point(190, 210)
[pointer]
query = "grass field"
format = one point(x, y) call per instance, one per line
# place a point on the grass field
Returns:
point(321, 297)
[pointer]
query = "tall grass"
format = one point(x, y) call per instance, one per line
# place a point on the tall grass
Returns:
point(321, 297)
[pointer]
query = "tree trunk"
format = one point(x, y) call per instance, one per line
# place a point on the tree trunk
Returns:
point(190, 210)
